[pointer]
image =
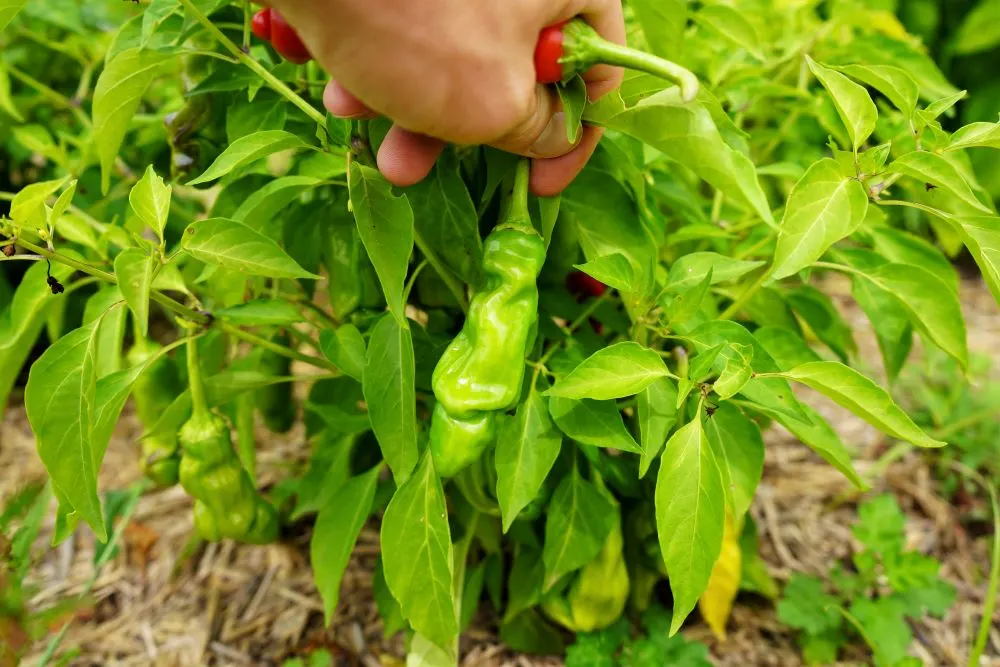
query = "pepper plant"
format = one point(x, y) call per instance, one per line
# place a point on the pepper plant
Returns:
point(550, 404)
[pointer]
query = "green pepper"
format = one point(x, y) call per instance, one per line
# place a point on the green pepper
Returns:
point(276, 402)
point(227, 505)
point(153, 393)
point(598, 595)
point(482, 370)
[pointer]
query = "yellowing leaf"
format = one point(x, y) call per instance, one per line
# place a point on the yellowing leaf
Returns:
point(716, 603)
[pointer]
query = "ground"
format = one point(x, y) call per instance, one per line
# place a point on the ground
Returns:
point(154, 604)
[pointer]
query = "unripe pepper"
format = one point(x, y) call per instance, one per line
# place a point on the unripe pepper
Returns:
point(227, 505)
point(598, 595)
point(482, 370)
point(153, 393)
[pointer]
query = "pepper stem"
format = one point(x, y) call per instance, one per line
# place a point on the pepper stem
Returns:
point(199, 402)
point(584, 48)
point(518, 214)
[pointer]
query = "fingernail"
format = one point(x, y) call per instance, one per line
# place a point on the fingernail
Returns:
point(553, 141)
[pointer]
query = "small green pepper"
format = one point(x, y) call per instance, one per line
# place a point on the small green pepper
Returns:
point(153, 393)
point(227, 505)
point(598, 595)
point(456, 442)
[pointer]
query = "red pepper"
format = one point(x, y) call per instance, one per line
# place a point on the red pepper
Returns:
point(261, 24)
point(582, 285)
point(573, 47)
point(270, 25)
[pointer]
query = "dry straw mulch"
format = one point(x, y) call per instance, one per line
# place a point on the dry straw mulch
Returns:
point(226, 604)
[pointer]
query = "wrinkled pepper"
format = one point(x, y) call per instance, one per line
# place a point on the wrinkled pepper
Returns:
point(153, 393)
point(598, 595)
point(276, 402)
point(482, 371)
point(227, 505)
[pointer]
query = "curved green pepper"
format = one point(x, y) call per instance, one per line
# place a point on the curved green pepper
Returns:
point(482, 370)
point(153, 393)
point(227, 505)
point(276, 402)
point(598, 595)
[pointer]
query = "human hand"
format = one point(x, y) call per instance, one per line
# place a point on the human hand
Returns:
point(454, 71)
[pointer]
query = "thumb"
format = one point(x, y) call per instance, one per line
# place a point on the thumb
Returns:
point(542, 133)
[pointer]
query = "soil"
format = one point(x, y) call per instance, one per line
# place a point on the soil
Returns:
point(226, 604)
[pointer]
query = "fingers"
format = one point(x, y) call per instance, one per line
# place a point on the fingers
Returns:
point(342, 103)
point(406, 158)
point(552, 176)
point(542, 134)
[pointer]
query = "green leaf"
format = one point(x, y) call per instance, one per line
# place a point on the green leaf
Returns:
point(691, 269)
point(233, 245)
point(385, 223)
point(986, 135)
point(573, 97)
point(806, 606)
point(787, 348)
point(445, 219)
point(822, 316)
point(905, 248)
point(687, 134)
point(663, 22)
point(823, 208)
point(867, 400)
point(737, 372)
point(117, 94)
point(417, 554)
point(657, 415)
point(935, 170)
point(6, 102)
point(262, 313)
point(578, 521)
point(594, 423)
point(27, 209)
point(249, 149)
point(111, 333)
point(329, 469)
point(259, 210)
point(150, 199)
point(527, 447)
point(345, 347)
point(739, 451)
point(732, 25)
point(934, 309)
point(853, 103)
point(620, 370)
point(771, 392)
point(390, 393)
point(980, 31)
point(880, 525)
point(981, 235)
point(690, 516)
point(613, 270)
point(388, 608)
point(59, 399)
point(885, 625)
point(893, 82)
point(337, 528)
point(134, 269)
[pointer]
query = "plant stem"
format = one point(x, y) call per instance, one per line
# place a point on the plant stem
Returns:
point(518, 214)
point(162, 299)
point(451, 282)
point(736, 306)
point(584, 47)
point(255, 66)
point(199, 401)
point(57, 98)
point(278, 349)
